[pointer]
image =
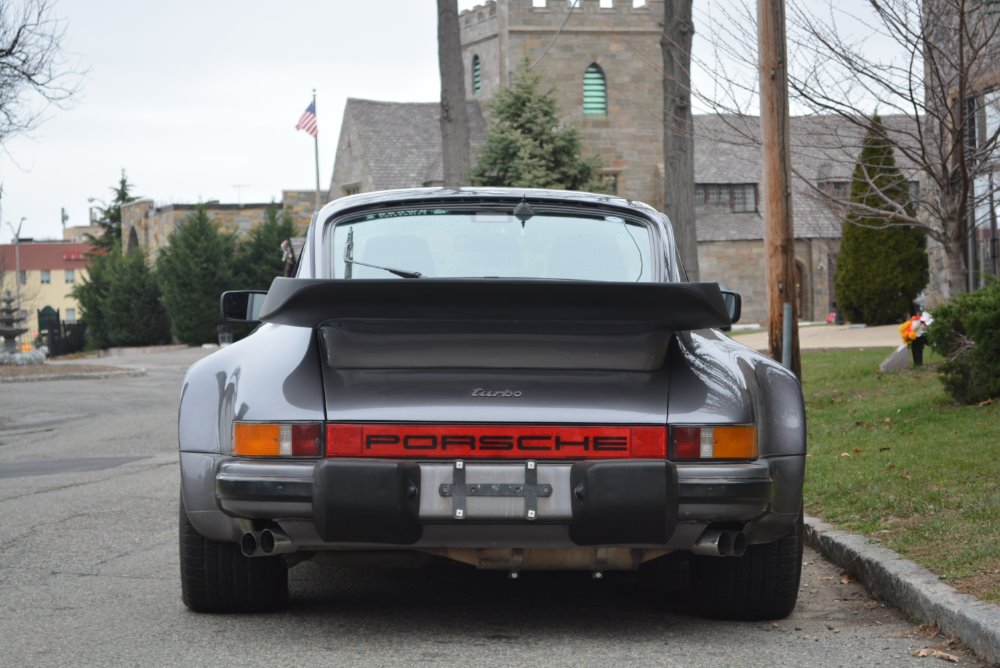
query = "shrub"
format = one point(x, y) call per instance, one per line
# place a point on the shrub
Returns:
point(966, 332)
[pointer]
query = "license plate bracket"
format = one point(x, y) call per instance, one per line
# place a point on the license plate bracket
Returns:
point(530, 490)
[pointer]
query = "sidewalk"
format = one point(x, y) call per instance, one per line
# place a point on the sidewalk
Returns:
point(819, 336)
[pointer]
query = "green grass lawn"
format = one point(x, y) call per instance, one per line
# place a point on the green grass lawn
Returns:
point(891, 457)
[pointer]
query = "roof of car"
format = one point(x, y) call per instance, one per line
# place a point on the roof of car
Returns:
point(415, 195)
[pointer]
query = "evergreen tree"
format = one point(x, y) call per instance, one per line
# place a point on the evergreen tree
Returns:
point(91, 295)
point(120, 302)
point(880, 268)
point(259, 259)
point(110, 218)
point(133, 307)
point(193, 270)
point(527, 147)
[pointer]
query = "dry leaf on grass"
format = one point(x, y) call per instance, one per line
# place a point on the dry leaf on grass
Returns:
point(847, 578)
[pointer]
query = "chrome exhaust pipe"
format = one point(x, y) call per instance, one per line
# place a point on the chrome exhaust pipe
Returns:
point(739, 545)
point(274, 541)
point(715, 543)
point(250, 544)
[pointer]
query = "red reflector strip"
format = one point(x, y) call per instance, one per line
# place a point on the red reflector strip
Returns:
point(494, 441)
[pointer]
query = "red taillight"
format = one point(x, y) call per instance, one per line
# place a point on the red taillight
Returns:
point(713, 442)
point(686, 443)
point(276, 439)
point(495, 441)
point(306, 440)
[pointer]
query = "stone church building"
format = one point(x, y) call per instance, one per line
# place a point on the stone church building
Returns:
point(603, 61)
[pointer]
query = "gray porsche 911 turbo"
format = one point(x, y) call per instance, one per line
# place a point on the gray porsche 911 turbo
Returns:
point(512, 379)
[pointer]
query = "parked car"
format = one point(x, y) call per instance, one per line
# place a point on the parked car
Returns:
point(513, 379)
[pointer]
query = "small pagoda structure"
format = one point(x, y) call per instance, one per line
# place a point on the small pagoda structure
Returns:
point(10, 318)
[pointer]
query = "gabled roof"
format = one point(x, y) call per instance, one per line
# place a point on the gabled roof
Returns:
point(402, 140)
point(823, 148)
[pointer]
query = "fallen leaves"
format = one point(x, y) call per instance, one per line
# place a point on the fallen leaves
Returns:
point(936, 653)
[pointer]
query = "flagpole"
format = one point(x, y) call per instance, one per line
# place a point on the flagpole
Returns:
point(316, 147)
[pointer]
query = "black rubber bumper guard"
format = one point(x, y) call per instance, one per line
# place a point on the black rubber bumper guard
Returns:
point(379, 502)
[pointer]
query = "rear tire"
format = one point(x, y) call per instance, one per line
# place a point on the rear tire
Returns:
point(762, 584)
point(216, 577)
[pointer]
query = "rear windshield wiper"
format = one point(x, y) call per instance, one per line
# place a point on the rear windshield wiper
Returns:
point(350, 261)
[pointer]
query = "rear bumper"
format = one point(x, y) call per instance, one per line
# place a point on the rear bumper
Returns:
point(344, 503)
point(280, 489)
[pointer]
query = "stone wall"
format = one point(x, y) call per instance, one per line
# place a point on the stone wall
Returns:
point(349, 174)
point(623, 41)
point(150, 226)
point(301, 205)
point(741, 265)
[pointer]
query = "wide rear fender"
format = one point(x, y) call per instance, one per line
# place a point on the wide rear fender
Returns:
point(273, 374)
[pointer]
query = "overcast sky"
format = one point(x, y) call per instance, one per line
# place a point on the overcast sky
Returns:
point(193, 98)
point(198, 99)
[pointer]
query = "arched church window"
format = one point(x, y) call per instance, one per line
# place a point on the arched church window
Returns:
point(595, 92)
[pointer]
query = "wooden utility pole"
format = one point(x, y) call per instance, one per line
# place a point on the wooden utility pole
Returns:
point(779, 234)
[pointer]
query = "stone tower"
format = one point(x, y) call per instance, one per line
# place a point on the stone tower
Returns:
point(609, 49)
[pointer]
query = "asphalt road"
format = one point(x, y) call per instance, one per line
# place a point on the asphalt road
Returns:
point(89, 574)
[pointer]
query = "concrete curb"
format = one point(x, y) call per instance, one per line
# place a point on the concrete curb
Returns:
point(911, 588)
point(74, 376)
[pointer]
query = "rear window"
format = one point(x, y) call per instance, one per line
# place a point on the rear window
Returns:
point(439, 243)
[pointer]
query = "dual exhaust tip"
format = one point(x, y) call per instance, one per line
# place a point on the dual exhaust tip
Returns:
point(712, 543)
point(717, 543)
point(266, 543)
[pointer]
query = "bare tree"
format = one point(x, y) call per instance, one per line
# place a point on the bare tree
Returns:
point(33, 68)
point(928, 60)
point(678, 132)
point(454, 114)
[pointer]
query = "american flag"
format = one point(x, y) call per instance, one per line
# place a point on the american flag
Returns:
point(308, 120)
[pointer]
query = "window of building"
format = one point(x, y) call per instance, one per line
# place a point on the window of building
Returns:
point(477, 82)
point(607, 4)
point(70, 275)
point(572, 3)
point(23, 276)
point(638, 3)
point(351, 188)
point(736, 197)
point(743, 198)
point(840, 190)
point(595, 93)
point(71, 315)
point(46, 276)
point(539, 4)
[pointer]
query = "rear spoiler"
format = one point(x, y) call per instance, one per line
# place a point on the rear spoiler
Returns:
point(314, 302)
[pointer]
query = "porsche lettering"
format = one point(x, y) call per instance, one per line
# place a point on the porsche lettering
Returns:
point(486, 442)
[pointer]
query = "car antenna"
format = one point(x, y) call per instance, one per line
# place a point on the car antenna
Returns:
point(523, 211)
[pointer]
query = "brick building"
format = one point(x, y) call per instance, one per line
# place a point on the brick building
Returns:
point(43, 273)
